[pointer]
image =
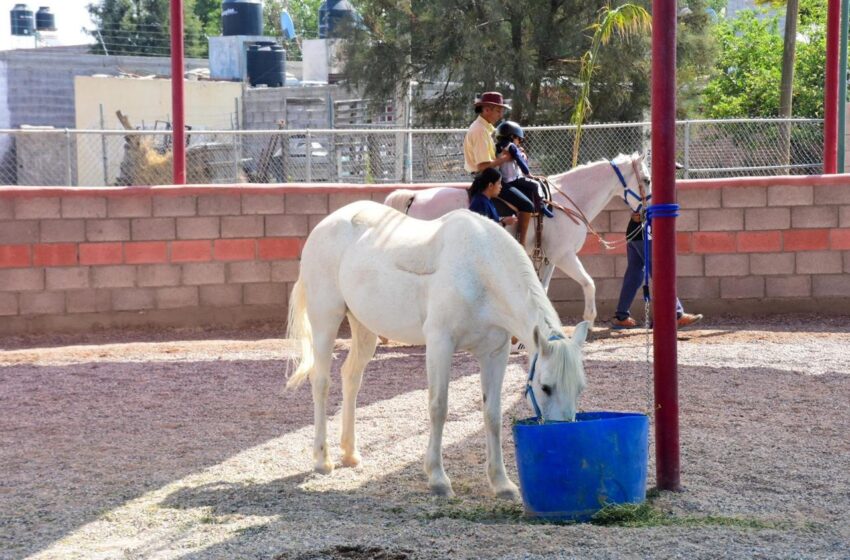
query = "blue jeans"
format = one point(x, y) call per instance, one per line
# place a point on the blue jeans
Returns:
point(633, 279)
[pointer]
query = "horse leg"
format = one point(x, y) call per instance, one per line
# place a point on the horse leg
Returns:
point(493, 361)
point(438, 360)
point(546, 272)
point(363, 343)
point(573, 268)
point(324, 335)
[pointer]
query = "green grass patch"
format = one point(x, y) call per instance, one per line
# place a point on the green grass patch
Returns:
point(646, 515)
point(492, 513)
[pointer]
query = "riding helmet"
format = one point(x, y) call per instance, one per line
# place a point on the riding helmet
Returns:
point(509, 129)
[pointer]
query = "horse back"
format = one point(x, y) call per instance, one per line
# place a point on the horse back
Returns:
point(430, 204)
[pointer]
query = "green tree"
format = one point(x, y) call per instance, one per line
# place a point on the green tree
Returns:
point(625, 21)
point(529, 50)
point(748, 68)
point(696, 53)
point(141, 27)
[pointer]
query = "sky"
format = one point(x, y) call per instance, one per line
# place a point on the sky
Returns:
point(71, 17)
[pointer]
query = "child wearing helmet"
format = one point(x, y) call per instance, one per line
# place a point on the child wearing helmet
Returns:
point(515, 172)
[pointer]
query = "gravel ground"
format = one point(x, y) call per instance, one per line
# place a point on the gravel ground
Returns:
point(182, 444)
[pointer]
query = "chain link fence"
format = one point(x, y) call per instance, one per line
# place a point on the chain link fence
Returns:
point(706, 148)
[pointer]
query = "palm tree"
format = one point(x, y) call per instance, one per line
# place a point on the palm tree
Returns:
point(625, 21)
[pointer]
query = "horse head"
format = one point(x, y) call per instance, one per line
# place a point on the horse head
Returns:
point(634, 179)
point(556, 379)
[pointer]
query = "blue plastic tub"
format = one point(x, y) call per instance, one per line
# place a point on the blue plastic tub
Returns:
point(570, 470)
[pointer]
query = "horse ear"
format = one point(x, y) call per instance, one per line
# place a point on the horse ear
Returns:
point(580, 333)
point(541, 343)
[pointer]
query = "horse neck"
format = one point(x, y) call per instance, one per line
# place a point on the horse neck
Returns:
point(591, 187)
point(521, 302)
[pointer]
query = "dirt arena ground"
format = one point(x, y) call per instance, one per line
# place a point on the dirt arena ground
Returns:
point(182, 444)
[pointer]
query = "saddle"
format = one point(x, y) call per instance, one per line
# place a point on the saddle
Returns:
point(542, 209)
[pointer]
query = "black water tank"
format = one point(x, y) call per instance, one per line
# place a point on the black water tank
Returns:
point(23, 22)
point(242, 17)
point(45, 20)
point(332, 16)
point(266, 64)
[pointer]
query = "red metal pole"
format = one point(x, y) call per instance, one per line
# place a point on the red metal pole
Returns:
point(830, 94)
point(664, 244)
point(178, 118)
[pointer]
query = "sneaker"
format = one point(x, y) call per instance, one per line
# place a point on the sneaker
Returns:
point(517, 347)
point(627, 323)
point(688, 319)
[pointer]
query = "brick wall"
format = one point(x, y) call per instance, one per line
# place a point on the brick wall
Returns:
point(74, 259)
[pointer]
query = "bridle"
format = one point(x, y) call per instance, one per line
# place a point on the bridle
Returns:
point(641, 197)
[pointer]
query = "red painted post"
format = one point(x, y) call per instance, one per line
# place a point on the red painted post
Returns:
point(664, 244)
point(830, 94)
point(178, 118)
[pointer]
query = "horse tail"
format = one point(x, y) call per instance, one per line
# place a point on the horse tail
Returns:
point(400, 199)
point(298, 327)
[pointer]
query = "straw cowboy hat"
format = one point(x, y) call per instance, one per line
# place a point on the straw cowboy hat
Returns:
point(492, 98)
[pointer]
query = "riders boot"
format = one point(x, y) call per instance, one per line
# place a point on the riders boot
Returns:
point(523, 219)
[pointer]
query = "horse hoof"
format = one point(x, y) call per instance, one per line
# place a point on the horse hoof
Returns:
point(324, 467)
point(442, 490)
point(352, 460)
point(510, 494)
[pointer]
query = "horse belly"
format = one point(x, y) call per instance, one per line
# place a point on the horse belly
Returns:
point(385, 300)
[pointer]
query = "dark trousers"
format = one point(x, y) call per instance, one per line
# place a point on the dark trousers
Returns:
point(516, 198)
point(633, 279)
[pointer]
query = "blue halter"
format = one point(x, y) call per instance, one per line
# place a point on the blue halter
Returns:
point(528, 390)
point(627, 191)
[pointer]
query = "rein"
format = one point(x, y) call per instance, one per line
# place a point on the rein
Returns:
point(577, 216)
point(528, 389)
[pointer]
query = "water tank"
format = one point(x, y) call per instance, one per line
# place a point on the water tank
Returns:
point(266, 64)
point(45, 20)
point(333, 14)
point(23, 22)
point(242, 17)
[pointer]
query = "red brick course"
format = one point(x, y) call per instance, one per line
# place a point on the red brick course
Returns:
point(101, 253)
point(15, 256)
point(54, 254)
point(805, 240)
point(234, 249)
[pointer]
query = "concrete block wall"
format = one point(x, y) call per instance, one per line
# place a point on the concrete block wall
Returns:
point(79, 258)
point(740, 249)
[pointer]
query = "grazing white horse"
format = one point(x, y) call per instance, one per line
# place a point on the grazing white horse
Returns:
point(589, 187)
point(457, 283)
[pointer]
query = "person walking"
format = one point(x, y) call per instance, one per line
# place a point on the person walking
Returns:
point(633, 279)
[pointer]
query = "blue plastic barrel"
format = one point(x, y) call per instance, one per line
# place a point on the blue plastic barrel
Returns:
point(570, 470)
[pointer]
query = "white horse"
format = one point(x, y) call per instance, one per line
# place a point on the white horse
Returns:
point(457, 283)
point(586, 190)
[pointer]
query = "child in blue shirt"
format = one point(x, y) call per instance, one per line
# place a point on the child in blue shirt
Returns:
point(486, 186)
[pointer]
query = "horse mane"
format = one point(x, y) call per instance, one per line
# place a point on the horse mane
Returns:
point(566, 361)
point(535, 299)
point(621, 158)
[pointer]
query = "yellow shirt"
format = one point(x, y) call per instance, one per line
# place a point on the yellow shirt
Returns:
point(478, 145)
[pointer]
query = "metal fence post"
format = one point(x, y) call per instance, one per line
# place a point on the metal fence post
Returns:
point(308, 149)
point(687, 162)
point(237, 143)
point(103, 146)
point(68, 178)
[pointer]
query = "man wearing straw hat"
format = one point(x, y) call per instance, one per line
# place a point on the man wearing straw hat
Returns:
point(479, 153)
